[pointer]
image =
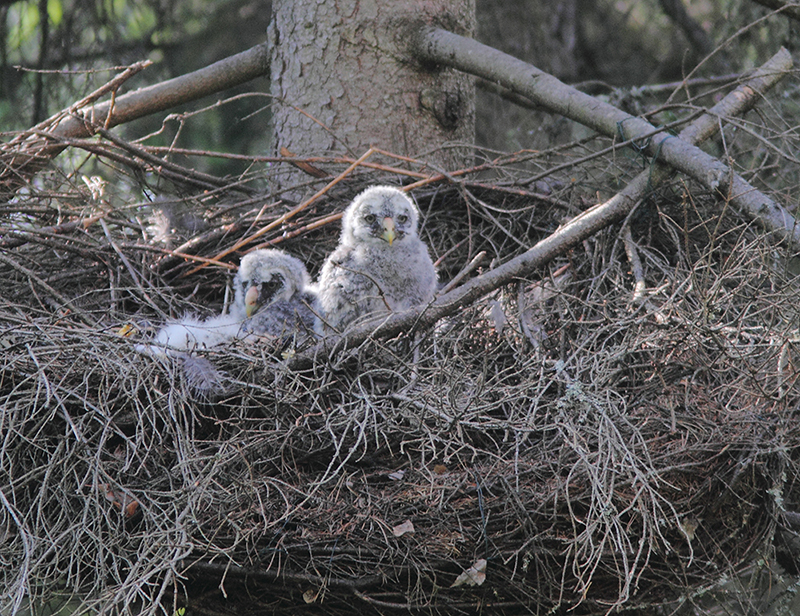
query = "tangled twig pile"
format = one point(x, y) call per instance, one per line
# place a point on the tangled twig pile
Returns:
point(560, 444)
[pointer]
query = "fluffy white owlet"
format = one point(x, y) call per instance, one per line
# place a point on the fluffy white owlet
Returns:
point(274, 290)
point(381, 264)
point(273, 297)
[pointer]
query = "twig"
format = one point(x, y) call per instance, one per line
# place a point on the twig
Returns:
point(636, 263)
point(156, 162)
point(464, 272)
point(66, 227)
point(129, 267)
point(790, 9)
point(32, 275)
point(290, 214)
point(26, 156)
point(304, 229)
point(215, 569)
point(111, 86)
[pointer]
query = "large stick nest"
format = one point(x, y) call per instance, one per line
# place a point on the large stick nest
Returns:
point(593, 450)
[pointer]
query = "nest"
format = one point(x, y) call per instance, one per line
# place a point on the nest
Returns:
point(556, 446)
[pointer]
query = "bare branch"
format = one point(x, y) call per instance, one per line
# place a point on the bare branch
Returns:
point(448, 49)
point(24, 157)
point(791, 9)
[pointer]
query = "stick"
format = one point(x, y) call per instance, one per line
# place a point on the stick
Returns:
point(790, 9)
point(282, 219)
point(22, 159)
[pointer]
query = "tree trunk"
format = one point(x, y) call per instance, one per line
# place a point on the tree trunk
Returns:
point(341, 84)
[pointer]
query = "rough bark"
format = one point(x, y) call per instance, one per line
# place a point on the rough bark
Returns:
point(446, 48)
point(571, 234)
point(342, 84)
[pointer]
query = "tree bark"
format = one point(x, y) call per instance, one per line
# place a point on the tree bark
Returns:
point(571, 234)
point(447, 48)
point(341, 83)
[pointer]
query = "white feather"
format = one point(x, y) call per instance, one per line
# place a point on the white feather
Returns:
point(191, 333)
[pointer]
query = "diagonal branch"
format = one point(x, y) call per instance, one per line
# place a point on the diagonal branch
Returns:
point(434, 45)
point(741, 100)
point(24, 157)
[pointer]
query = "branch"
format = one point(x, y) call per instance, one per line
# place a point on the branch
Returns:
point(741, 100)
point(433, 45)
point(224, 570)
point(22, 158)
point(790, 9)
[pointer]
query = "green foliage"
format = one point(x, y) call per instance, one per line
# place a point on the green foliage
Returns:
point(22, 37)
point(55, 12)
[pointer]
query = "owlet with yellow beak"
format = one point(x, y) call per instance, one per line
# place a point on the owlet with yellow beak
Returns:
point(380, 265)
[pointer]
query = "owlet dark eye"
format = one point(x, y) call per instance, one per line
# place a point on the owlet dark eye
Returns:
point(369, 218)
point(402, 219)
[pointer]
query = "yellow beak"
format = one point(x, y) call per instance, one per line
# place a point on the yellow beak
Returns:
point(388, 233)
point(251, 301)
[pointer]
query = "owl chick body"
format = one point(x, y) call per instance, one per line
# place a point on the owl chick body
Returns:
point(273, 297)
point(274, 291)
point(381, 264)
point(191, 333)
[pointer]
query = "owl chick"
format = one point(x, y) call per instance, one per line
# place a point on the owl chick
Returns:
point(191, 333)
point(381, 264)
point(274, 291)
point(273, 297)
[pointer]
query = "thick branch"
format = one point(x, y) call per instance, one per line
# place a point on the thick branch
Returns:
point(20, 159)
point(575, 231)
point(445, 48)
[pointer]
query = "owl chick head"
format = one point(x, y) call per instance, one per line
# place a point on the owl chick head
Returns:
point(268, 276)
point(381, 215)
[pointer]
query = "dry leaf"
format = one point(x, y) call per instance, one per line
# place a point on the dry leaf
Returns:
point(120, 500)
point(474, 576)
point(305, 167)
point(402, 529)
point(689, 526)
point(127, 330)
point(439, 469)
point(310, 596)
